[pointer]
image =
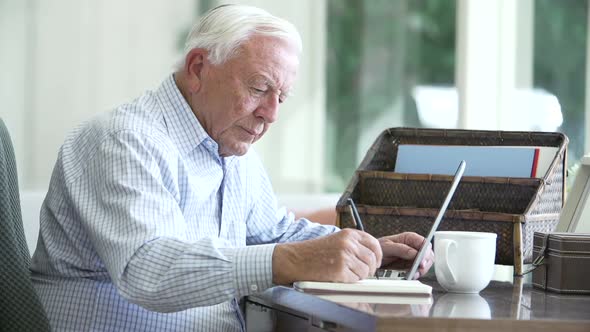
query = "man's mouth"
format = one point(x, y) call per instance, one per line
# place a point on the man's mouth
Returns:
point(252, 132)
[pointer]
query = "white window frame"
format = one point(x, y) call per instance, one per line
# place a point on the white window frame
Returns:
point(491, 59)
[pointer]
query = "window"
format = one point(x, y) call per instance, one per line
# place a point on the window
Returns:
point(516, 65)
point(560, 63)
point(381, 55)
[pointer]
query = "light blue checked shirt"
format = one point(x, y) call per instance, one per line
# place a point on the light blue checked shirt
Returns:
point(146, 228)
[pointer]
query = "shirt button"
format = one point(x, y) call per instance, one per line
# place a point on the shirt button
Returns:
point(254, 288)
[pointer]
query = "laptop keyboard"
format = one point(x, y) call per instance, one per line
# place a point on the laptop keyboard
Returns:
point(389, 274)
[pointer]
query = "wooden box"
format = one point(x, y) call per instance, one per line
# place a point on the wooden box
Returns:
point(514, 208)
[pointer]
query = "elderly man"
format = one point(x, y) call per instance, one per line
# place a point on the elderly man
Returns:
point(159, 216)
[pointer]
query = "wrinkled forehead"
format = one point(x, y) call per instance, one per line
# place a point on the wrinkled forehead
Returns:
point(275, 58)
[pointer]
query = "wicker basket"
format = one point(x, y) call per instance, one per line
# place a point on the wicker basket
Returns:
point(513, 208)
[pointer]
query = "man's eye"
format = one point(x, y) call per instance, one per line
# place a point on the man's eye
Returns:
point(283, 97)
point(257, 90)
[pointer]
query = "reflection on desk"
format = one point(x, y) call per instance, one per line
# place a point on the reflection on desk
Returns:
point(501, 306)
point(416, 306)
point(376, 299)
point(462, 306)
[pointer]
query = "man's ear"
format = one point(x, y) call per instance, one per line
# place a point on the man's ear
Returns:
point(193, 68)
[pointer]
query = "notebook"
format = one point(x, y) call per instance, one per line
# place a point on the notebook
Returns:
point(368, 286)
point(398, 282)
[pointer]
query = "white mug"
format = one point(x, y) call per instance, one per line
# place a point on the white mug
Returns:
point(464, 261)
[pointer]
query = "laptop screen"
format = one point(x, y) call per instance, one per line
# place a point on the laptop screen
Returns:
point(441, 212)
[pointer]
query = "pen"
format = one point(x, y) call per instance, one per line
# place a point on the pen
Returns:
point(355, 216)
point(357, 220)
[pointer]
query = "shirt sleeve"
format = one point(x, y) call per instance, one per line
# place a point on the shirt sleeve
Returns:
point(138, 230)
point(267, 223)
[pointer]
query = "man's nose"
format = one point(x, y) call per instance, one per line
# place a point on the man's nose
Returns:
point(269, 109)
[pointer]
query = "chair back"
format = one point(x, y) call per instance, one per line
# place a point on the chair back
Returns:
point(20, 307)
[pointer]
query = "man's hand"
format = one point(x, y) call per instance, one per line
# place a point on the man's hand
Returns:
point(345, 256)
point(399, 251)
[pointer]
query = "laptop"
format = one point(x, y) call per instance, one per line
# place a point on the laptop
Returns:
point(390, 281)
point(409, 275)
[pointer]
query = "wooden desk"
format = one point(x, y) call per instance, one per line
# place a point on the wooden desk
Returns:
point(502, 306)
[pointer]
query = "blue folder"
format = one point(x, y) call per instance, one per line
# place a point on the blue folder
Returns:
point(498, 161)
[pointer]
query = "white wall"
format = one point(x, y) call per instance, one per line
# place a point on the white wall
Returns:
point(66, 60)
point(14, 31)
point(30, 202)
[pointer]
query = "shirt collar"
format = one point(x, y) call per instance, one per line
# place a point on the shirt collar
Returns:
point(183, 126)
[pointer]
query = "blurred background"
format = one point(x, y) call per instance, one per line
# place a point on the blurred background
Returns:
point(366, 66)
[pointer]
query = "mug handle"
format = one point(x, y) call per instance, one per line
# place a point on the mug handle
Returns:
point(446, 270)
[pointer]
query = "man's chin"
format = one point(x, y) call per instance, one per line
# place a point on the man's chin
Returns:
point(237, 150)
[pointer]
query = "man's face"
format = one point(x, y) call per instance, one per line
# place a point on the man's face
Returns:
point(238, 100)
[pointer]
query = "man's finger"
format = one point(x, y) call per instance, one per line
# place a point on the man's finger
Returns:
point(393, 249)
point(368, 257)
point(426, 262)
point(372, 244)
point(358, 268)
point(412, 239)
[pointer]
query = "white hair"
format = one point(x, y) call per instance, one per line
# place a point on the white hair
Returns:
point(223, 29)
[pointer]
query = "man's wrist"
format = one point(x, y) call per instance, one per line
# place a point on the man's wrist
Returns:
point(284, 264)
